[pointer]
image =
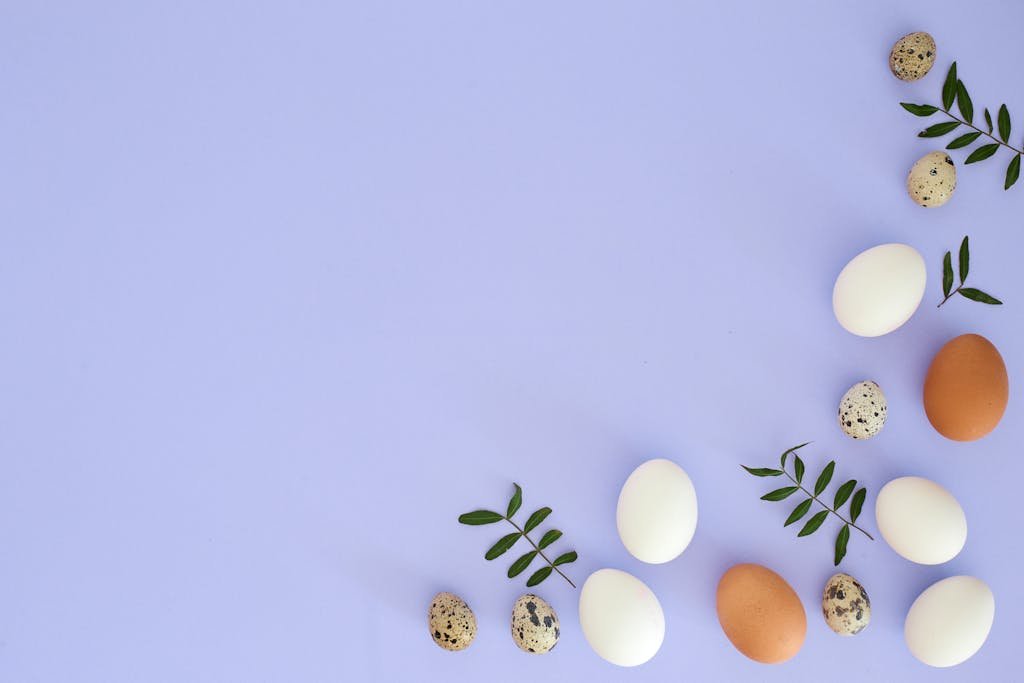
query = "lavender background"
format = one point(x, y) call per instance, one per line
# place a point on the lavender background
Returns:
point(286, 287)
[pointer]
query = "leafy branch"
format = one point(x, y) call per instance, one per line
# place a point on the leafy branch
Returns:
point(842, 495)
point(964, 266)
point(505, 543)
point(954, 90)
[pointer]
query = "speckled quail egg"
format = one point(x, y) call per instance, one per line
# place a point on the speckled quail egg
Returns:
point(534, 625)
point(846, 605)
point(932, 179)
point(862, 410)
point(452, 622)
point(912, 56)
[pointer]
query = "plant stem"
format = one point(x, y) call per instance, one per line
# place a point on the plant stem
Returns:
point(539, 551)
point(988, 135)
point(818, 500)
point(949, 296)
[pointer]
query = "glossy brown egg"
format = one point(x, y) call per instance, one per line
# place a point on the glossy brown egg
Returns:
point(966, 389)
point(761, 614)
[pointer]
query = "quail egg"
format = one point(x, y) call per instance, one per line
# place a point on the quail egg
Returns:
point(862, 410)
point(932, 179)
point(912, 56)
point(534, 625)
point(846, 605)
point(452, 622)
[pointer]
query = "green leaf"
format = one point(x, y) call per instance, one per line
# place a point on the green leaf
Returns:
point(824, 478)
point(949, 87)
point(1012, 172)
point(919, 109)
point(517, 500)
point(988, 120)
point(780, 494)
point(478, 517)
point(857, 503)
point(1003, 118)
point(535, 519)
point(947, 274)
point(963, 140)
point(841, 540)
point(843, 494)
point(939, 129)
point(782, 460)
point(982, 153)
point(963, 101)
point(565, 558)
point(762, 471)
point(813, 523)
point(522, 563)
point(980, 296)
point(798, 512)
point(503, 544)
point(965, 259)
point(548, 538)
point(538, 576)
point(798, 465)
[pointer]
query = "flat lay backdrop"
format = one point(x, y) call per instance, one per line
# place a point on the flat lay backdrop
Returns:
point(285, 287)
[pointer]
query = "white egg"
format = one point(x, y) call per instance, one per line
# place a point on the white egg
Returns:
point(921, 520)
point(621, 617)
point(950, 621)
point(657, 511)
point(879, 289)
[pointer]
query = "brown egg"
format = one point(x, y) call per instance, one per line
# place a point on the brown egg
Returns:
point(966, 390)
point(760, 614)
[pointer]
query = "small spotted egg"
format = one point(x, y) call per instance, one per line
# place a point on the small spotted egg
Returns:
point(452, 622)
point(932, 179)
point(912, 56)
point(862, 410)
point(534, 625)
point(846, 605)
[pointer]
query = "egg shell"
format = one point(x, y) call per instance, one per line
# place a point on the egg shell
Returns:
point(966, 389)
point(657, 511)
point(760, 613)
point(921, 520)
point(932, 179)
point(621, 617)
point(863, 410)
point(950, 621)
point(535, 627)
point(879, 289)
point(452, 623)
point(846, 605)
point(912, 56)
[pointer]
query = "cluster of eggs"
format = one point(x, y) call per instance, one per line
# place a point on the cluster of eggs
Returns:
point(452, 624)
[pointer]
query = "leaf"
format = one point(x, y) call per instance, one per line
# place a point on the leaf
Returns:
point(965, 259)
point(549, 537)
point(963, 140)
point(982, 153)
point(857, 503)
point(780, 494)
point(1003, 118)
point(538, 576)
point(799, 511)
point(522, 563)
point(503, 544)
point(963, 101)
point(841, 540)
point(478, 517)
point(565, 558)
point(813, 523)
point(535, 519)
point(988, 120)
point(980, 296)
point(824, 478)
point(762, 471)
point(947, 274)
point(843, 494)
point(919, 109)
point(516, 502)
point(939, 129)
point(798, 465)
point(782, 459)
point(1012, 172)
point(949, 87)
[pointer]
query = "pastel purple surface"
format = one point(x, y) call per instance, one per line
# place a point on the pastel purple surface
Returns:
point(286, 287)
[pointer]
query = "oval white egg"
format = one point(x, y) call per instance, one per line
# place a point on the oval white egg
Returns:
point(921, 520)
point(950, 621)
point(657, 511)
point(621, 617)
point(879, 289)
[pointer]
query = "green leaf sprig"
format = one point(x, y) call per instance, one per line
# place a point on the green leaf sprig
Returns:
point(954, 90)
point(505, 543)
point(964, 266)
point(843, 494)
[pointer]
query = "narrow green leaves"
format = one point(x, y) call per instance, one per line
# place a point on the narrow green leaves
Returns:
point(963, 140)
point(988, 121)
point(964, 269)
point(857, 504)
point(841, 540)
point(521, 564)
point(982, 153)
point(919, 109)
point(965, 259)
point(947, 274)
point(798, 468)
point(780, 494)
point(478, 517)
point(843, 493)
point(503, 544)
point(782, 459)
point(979, 296)
point(565, 558)
point(814, 523)
point(949, 87)
point(824, 478)
point(548, 538)
point(538, 576)
point(1012, 172)
point(762, 471)
point(939, 129)
point(1003, 119)
point(963, 101)
point(798, 512)
point(515, 502)
point(536, 518)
